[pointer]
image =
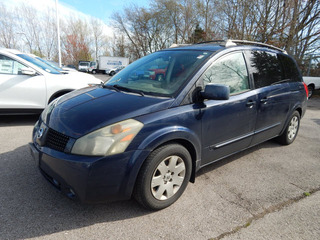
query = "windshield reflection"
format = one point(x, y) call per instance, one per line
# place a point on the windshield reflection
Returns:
point(161, 73)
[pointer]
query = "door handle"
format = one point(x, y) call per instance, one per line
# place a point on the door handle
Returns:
point(250, 104)
point(264, 100)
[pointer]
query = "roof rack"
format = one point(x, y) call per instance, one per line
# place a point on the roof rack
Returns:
point(234, 42)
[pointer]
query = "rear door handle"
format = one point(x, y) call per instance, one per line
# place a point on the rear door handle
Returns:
point(250, 103)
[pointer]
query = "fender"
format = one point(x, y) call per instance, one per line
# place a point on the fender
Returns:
point(58, 94)
point(156, 139)
point(171, 133)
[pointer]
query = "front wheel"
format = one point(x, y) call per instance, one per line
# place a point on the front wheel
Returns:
point(163, 177)
point(291, 131)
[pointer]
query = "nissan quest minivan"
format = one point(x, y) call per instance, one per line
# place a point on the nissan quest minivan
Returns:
point(145, 136)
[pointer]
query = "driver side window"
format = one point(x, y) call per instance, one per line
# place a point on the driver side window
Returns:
point(10, 66)
point(229, 70)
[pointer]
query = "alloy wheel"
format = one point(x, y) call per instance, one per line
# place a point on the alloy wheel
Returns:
point(168, 177)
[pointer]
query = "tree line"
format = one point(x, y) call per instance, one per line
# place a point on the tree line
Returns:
point(27, 29)
point(293, 25)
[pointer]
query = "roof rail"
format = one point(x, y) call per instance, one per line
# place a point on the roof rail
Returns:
point(174, 45)
point(245, 42)
point(234, 42)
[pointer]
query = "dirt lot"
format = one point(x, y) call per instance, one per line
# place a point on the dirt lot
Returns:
point(267, 192)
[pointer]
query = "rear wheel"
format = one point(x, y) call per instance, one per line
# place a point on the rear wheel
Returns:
point(310, 90)
point(291, 131)
point(163, 177)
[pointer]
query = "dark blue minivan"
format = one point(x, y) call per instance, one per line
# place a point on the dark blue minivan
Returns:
point(151, 127)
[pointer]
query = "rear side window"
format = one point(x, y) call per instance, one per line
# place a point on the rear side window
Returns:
point(290, 69)
point(265, 67)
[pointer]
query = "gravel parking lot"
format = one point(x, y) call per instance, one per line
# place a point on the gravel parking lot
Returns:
point(266, 192)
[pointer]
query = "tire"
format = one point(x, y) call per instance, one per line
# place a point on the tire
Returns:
point(53, 97)
point(163, 177)
point(94, 71)
point(310, 90)
point(291, 131)
point(112, 73)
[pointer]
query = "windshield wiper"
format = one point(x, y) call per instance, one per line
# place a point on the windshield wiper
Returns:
point(110, 87)
point(125, 89)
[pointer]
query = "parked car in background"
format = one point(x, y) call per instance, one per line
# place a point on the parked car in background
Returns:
point(83, 66)
point(71, 66)
point(313, 83)
point(134, 136)
point(115, 71)
point(158, 73)
point(62, 68)
point(27, 84)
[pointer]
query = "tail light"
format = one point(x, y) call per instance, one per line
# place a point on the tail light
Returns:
point(306, 88)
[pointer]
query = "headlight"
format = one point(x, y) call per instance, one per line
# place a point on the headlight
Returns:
point(109, 140)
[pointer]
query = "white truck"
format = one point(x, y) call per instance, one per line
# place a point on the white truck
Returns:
point(83, 66)
point(108, 65)
point(313, 83)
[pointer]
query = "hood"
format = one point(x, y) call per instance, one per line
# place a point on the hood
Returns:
point(85, 110)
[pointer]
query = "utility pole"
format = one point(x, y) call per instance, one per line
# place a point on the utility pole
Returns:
point(58, 33)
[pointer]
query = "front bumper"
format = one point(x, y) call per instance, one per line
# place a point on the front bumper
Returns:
point(89, 179)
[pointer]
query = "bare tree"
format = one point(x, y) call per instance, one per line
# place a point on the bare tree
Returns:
point(48, 35)
point(76, 41)
point(7, 27)
point(96, 27)
point(145, 30)
point(29, 28)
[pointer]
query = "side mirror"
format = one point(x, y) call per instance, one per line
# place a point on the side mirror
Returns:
point(28, 71)
point(216, 92)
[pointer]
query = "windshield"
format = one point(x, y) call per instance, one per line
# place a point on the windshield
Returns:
point(39, 64)
point(86, 64)
point(51, 64)
point(161, 73)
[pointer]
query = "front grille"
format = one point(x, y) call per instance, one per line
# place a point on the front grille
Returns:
point(56, 140)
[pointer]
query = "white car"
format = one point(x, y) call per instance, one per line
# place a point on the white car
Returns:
point(313, 83)
point(27, 85)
